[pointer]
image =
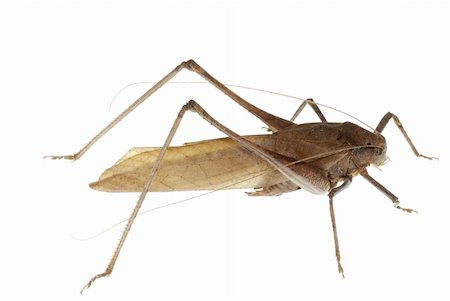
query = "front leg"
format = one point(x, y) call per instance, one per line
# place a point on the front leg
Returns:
point(385, 191)
point(382, 125)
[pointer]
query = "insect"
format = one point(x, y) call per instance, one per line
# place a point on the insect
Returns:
point(321, 158)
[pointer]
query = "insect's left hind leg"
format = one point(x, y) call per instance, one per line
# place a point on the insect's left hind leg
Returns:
point(383, 123)
point(331, 195)
point(148, 182)
point(386, 192)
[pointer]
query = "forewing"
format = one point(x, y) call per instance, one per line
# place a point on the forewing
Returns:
point(206, 165)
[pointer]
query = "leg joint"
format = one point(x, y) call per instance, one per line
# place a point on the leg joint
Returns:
point(190, 105)
point(190, 65)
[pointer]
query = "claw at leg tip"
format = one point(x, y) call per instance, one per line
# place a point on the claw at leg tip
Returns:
point(341, 271)
point(397, 205)
point(84, 288)
point(88, 285)
point(429, 157)
point(408, 210)
point(66, 157)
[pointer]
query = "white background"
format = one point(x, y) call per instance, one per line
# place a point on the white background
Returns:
point(61, 65)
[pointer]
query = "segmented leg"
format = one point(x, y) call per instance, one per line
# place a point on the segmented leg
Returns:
point(313, 105)
point(386, 192)
point(140, 201)
point(382, 124)
point(331, 195)
point(273, 122)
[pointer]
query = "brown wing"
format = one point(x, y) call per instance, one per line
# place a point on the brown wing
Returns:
point(206, 165)
point(223, 164)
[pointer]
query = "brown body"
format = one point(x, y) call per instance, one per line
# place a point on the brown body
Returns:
point(224, 164)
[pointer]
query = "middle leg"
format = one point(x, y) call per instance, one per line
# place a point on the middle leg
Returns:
point(331, 195)
point(313, 105)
